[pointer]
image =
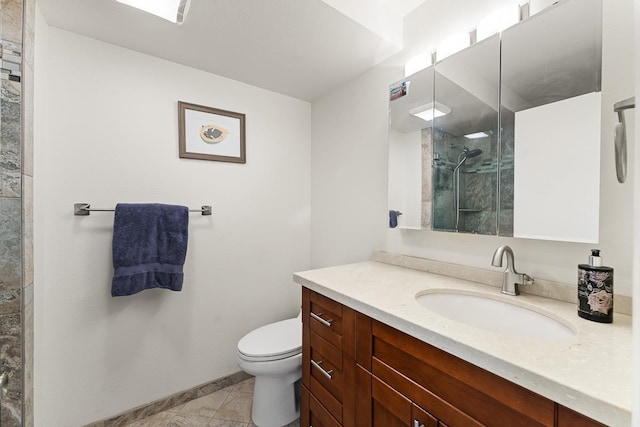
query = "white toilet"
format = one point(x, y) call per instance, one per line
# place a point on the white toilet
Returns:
point(273, 354)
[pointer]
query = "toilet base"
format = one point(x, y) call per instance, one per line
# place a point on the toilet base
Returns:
point(277, 371)
point(275, 403)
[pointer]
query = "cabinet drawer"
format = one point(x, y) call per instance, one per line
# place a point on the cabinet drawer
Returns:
point(326, 378)
point(314, 414)
point(331, 320)
point(326, 365)
point(389, 408)
point(325, 319)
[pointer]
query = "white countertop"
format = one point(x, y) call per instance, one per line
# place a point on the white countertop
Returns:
point(590, 373)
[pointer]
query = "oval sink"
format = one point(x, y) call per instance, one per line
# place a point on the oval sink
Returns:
point(496, 315)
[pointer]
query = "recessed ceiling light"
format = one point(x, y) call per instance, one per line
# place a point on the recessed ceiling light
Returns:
point(430, 111)
point(172, 10)
point(476, 135)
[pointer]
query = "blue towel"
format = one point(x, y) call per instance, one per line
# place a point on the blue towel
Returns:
point(149, 247)
point(393, 218)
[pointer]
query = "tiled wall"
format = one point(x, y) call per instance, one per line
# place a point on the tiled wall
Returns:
point(478, 184)
point(16, 209)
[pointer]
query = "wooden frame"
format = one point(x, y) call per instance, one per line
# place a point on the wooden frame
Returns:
point(207, 133)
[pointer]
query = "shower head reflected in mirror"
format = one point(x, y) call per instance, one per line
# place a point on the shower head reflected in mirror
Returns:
point(472, 153)
point(466, 154)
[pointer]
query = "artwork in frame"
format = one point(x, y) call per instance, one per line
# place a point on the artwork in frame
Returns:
point(207, 133)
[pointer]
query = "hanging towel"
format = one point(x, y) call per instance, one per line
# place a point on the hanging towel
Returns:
point(393, 218)
point(149, 247)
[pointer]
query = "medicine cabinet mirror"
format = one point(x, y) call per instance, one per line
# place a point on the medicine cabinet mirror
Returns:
point(511, 141)
point(465, 140)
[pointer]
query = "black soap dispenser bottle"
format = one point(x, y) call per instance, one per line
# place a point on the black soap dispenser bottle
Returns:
point(595, 290)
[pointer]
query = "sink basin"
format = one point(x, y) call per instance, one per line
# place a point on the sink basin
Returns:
point(494, 314)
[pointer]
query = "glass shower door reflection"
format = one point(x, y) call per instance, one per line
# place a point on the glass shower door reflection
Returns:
point(466, 140)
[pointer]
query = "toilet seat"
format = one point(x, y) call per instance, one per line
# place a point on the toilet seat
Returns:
point(275, 341)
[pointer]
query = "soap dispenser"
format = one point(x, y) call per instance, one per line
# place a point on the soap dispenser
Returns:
point(595, 290)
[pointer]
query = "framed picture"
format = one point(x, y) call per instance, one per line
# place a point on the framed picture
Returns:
point(207, 133)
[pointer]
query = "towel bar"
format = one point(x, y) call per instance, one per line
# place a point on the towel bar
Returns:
point(84, 209)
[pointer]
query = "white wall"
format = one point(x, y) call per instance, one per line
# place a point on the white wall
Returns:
point(405, 177)
point(349, 170)
point(106, 132)
point(359, 148)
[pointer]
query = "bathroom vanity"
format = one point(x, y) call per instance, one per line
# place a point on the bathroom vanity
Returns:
point(373, 356)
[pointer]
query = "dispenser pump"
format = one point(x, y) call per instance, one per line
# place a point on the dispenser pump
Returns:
point(594, 258)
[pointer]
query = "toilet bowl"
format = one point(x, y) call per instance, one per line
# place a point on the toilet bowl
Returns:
point(273, 354)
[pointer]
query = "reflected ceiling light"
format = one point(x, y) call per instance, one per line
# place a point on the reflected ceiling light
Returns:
point(171, 10)
point(498, 20)
point(430, 111)
point(417, 63)
point(453, 44)
point(476, 135)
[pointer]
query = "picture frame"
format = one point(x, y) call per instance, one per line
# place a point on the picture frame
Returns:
point(207, 133)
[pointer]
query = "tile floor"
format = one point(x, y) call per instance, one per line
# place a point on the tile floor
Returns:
point(229, 407)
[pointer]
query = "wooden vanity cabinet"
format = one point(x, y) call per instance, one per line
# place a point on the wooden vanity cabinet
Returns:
point(568, 418)
point(358, 372)
point(328, 365)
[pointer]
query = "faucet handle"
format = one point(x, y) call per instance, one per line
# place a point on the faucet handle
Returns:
point(527, 280)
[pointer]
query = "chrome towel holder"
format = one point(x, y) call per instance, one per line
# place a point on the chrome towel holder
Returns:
point(620, 137)
point(84, 209)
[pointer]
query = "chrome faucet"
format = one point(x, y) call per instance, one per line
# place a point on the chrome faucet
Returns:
point(511, 278)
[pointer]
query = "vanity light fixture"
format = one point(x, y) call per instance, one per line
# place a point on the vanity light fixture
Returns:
point(430, 111)
point(476, 135)
point(498, 20)
point(493, 23)
point(453, 44)
point(172, 10)
point(417, 63)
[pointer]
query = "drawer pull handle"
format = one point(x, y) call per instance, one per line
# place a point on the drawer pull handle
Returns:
point(322, 370)
point(326, 323)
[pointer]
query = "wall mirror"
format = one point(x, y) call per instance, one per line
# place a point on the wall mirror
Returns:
point(465, 140)
point(550, 117)
point(516, 130)
point(410, 119)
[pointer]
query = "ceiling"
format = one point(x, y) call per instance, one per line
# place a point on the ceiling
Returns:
point(300, 48)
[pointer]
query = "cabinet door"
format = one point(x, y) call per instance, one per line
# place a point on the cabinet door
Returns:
point(392, 409)
point(453, 390)
point(389, 408)
point(422, 418)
